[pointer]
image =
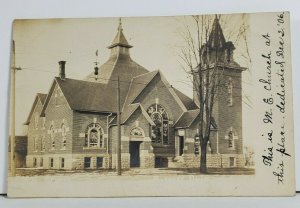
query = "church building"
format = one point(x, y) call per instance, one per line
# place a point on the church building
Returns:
point(74, 125)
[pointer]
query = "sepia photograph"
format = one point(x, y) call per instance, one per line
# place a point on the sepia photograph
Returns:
point(194, 105)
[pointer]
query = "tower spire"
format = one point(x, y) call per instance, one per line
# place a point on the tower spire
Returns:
point(120, 39)
point(216, 38)
point(120, 28)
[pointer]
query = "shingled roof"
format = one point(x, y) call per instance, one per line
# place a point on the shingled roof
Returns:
point(140, 82)
point(120, 39)
point(88, 96)
point(187, 101)
point(188, 118)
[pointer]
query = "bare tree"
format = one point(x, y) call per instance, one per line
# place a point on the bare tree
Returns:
point(205, 55)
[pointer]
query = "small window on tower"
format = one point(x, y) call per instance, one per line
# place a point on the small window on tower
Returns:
point(230, 140)
point(229, 91)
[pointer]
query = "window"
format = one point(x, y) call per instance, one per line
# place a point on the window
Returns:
point(160, 131)
point(231, 161)
point(34, 162)
point(57, 95)
point(64, 135)
point(43, 144)
point(41, 162)
point(36, 120)
point(51, 163)
point(35, 144)
point(99, 162)
point(230, 139)
point(94, 136)
point(87, 162)
point(229, 91)
point(52, 136)
point(62, 163)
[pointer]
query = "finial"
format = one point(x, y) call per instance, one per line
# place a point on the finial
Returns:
point(120, 24)
point(96, 68)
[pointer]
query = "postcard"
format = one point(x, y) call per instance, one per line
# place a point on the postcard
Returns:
point(196, 105)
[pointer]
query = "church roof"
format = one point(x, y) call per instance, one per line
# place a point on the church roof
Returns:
point(98, 94)
point(88, 96)
point(140, 82)
point(119, 65)
point(120, 39)
point(187, 101)
point(187, 118)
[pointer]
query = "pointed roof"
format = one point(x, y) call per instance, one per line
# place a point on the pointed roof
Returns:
point(39, 97)
point(216, 37)
point(120, 39)
point(188, 118)
point(88, 96)
point(42, 97)
point(130, 109)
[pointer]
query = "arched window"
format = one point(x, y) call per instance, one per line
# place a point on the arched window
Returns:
point(159, 132)
point(64, 134)
point(230, 139)
point(94, 136)
point(52, 136)
point(231, 136)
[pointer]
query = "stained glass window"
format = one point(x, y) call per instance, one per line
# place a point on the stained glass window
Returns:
point(94, 136)
point(159, 132)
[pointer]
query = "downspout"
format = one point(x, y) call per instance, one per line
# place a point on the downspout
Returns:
point(107, 125)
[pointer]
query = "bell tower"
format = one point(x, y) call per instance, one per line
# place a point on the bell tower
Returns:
point(227, 110)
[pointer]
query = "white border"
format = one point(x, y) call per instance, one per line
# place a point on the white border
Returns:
point(13, 9)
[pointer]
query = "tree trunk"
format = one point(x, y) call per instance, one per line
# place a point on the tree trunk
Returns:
point(203, 167)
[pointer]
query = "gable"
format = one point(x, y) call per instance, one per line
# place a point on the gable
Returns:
point(50, 100)
point(157, 92)
point(56, 99)
point(132, 110)
point(36, 106)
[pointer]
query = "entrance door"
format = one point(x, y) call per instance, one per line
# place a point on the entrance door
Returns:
point(134, 150)
point(181, 145)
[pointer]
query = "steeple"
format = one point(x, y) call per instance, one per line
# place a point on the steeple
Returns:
point(120, 39)
point(216, 37)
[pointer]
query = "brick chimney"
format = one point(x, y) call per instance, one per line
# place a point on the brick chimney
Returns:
point(62, 73)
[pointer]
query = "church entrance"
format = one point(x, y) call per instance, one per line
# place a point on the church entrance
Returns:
point(181, 145)
point(134, 150)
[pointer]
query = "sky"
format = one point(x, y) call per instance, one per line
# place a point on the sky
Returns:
point(40, 44)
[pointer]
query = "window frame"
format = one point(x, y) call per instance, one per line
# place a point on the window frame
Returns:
point(100, 136)
point(154, 110)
